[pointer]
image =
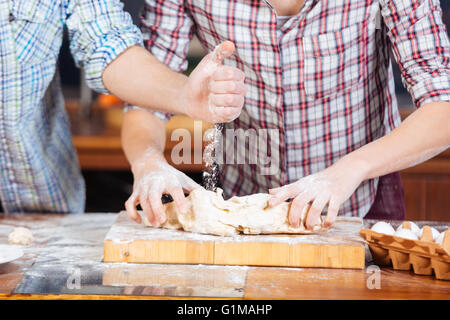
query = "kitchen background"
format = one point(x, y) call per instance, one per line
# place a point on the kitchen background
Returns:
point(96, 121)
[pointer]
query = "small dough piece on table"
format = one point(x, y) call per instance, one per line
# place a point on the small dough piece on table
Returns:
point(209, 213)
point(21, 236)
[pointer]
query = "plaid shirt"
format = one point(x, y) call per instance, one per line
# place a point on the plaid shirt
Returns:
point(324, 81)
point(39, 170)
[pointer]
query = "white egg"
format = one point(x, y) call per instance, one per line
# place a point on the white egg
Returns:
point(414, 228)
point(407, 234)
point(383, 227)
point(440, 237)
point(434, 233)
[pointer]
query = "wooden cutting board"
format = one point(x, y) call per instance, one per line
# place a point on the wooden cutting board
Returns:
point(340, 247)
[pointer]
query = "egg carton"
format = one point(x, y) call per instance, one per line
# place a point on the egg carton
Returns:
point(424, 254)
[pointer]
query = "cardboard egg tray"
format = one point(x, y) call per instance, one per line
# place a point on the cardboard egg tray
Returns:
point(424, 255)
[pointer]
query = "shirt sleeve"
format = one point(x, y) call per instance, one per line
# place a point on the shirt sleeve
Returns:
point(99, 31)
point(167, 29)
point(421, 47)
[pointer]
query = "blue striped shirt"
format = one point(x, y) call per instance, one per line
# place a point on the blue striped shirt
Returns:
point(39, 169)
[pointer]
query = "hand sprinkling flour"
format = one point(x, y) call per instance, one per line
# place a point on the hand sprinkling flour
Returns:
point(225, 102)
point(215, 92)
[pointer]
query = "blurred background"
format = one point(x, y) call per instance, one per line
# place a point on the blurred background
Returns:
point(96, 121)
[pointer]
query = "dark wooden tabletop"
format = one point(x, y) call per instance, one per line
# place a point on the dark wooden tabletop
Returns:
point(65, 262)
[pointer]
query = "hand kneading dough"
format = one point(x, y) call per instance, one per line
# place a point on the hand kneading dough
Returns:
point(20, 236)
point(209, 213)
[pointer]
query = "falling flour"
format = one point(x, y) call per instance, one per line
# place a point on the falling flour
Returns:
point(210, 157)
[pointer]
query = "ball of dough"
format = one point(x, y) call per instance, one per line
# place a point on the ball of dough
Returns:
point(407, 234)
point(383, 227)
point(434, 233)
point(414, 228)
point(21, 236)
point(440, 238)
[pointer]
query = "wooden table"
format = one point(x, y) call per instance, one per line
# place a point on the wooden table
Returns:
point(70, 247)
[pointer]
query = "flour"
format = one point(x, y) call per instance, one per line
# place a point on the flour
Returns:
point(214, 137)
point(210, 157)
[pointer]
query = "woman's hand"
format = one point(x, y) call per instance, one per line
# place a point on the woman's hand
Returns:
point(332, 187)
point(214, 92)
point(152, 179)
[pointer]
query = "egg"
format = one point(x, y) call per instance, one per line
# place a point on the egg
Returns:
point(434, 233)
point(383, 227)
point(414, 228)
point(407, 234)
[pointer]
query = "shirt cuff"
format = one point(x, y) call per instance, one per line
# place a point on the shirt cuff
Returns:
point(431, 90)
point(110, 48)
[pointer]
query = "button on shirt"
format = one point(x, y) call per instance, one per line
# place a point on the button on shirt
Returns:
point(39, 170)
point(323, 80)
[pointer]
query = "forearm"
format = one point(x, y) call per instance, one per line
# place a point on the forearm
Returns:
point(140, 79)
point(424, 134)
point(143, 137)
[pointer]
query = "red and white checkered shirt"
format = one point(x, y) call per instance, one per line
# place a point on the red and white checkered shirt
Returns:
point(324, 80)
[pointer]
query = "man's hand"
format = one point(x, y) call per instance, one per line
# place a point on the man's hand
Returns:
point(332, 186)
point(214, 92)
point(152, 179)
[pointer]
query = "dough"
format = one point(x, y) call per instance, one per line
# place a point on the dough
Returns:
point(20, 236)
point(209, 213)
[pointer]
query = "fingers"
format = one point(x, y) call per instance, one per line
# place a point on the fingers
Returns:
point(228, 87)
point(281, 194)
point(157, 207)
point(227, 93)
point(130, 206)
point(146, 207)
point(188, 184)
point(223, 51)
point(226, 114)
point(226, 107)
point(179, 199)
point(275, 190)
point(226, 73)
point(314, 212)
point(296, 209)
point(227, 100)
point(333, 210)
point(279, 197)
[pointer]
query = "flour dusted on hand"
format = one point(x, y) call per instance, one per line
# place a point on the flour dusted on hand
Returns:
point(209, 213)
